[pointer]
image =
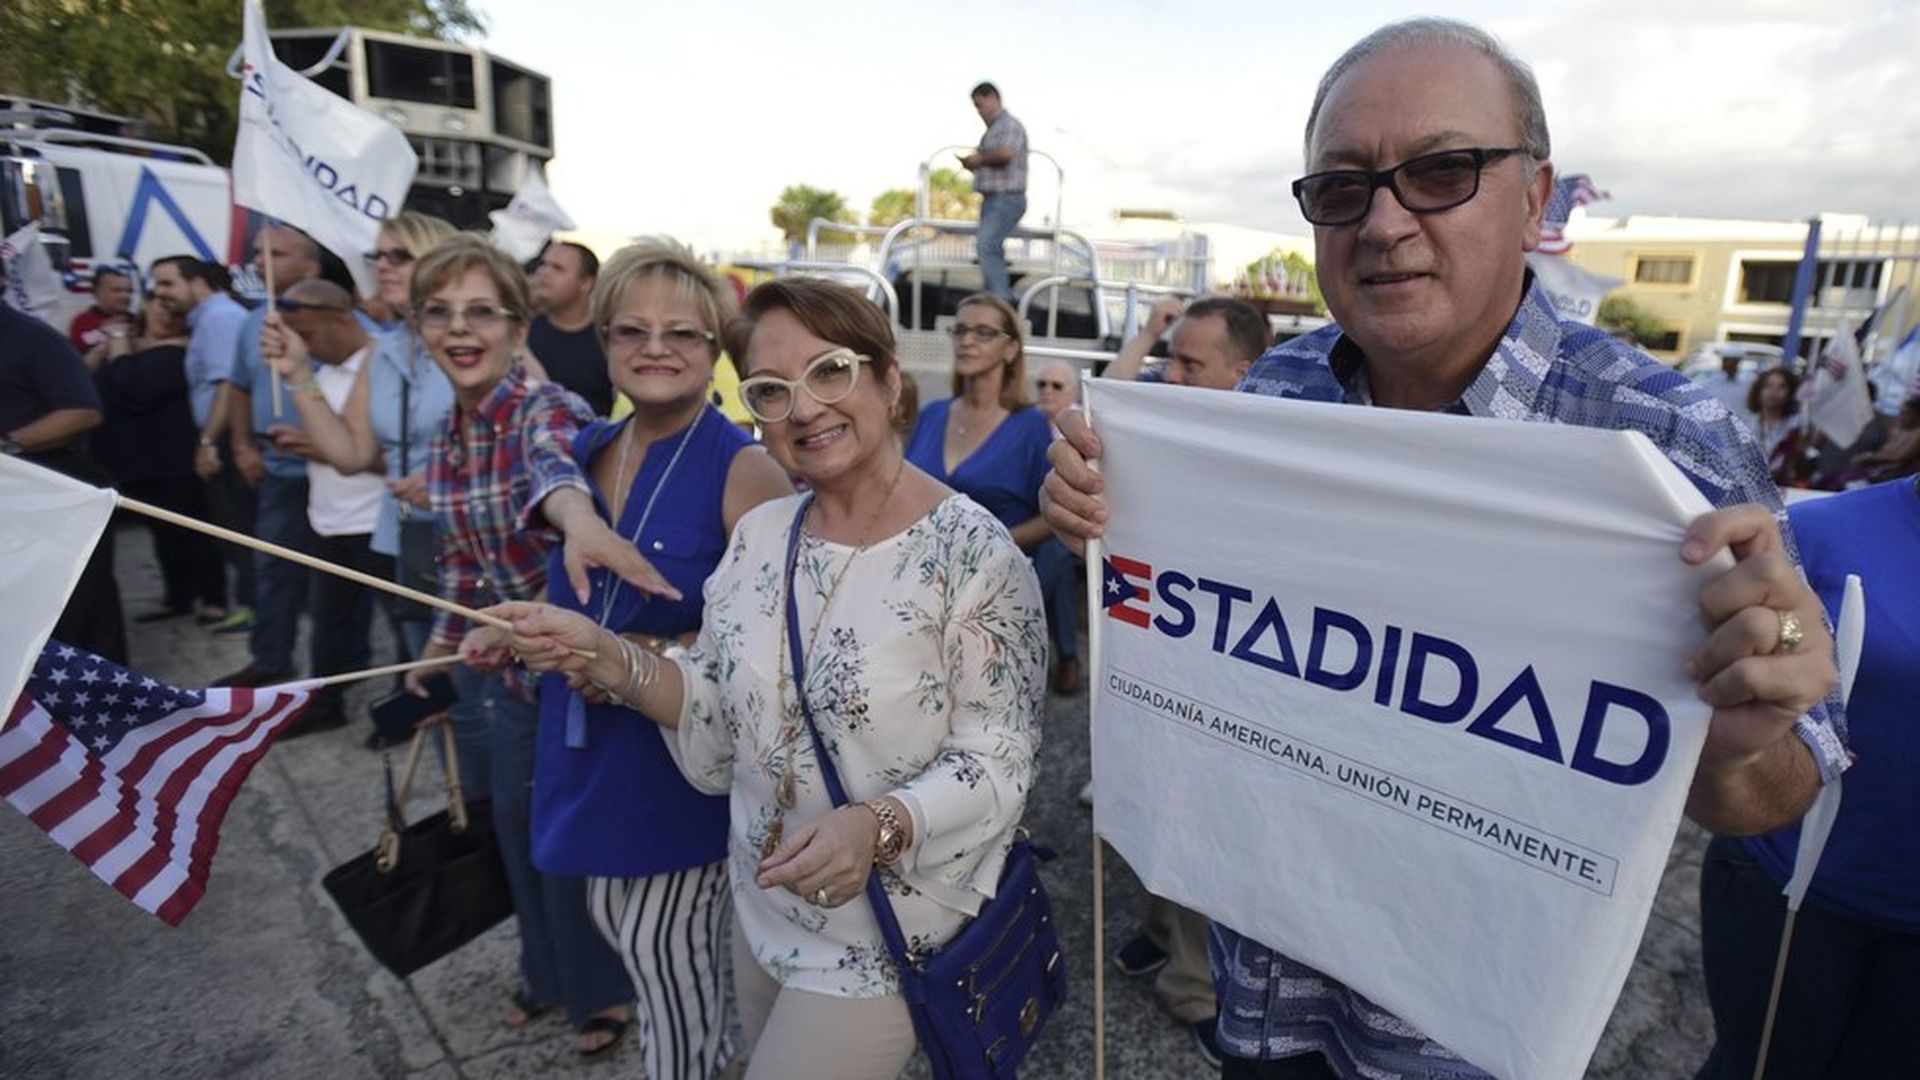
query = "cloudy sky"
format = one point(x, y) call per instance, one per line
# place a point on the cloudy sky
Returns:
point(689, 118)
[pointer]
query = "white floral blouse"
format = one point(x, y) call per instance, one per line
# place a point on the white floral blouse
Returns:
point(928, 680)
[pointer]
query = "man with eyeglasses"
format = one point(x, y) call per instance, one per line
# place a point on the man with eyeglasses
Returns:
point(1428, 173)
point(319, 344)
point(562, 337)
point(268, 449)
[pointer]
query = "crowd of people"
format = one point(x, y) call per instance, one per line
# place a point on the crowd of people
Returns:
point(702, 610)
point(1769, 400)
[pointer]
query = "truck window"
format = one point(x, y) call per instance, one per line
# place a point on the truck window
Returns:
point(79, 237)
point(411, 73)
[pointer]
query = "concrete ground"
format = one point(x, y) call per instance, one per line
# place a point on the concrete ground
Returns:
point(264, 979)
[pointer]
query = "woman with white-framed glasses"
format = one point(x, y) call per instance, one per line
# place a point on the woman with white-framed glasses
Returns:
point(989, 442)
point(922, 660)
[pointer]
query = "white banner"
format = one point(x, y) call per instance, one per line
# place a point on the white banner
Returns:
point(1576, 292)
point(1401, 695)
point(48, 526)
point(314, 160)
point(33, 285)
point(1836, 391)
point(524, 227)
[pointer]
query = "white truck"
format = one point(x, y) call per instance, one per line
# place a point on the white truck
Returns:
point(104, 198)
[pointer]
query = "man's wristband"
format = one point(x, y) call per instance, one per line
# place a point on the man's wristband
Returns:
point(207, 444)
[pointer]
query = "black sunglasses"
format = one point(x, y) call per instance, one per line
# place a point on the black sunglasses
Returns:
point(1426, 184)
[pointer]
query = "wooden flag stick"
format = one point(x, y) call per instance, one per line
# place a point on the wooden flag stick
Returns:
point(373, 672)
point(1099, 962)
point(306, 560)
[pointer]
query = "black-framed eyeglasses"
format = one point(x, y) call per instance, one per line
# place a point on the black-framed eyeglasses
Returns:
point(395, 256)
point(1050, 384)
point(982, 334)
point(630, 337)
point(481, 318)
point(1426, 184)
point(829, 378)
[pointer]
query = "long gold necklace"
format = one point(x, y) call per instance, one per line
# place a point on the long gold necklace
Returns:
point(786, 788)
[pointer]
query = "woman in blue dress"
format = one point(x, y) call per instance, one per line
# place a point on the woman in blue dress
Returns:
point(609, 804)
point(989, 442)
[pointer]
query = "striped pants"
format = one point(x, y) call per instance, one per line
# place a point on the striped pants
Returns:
point(666, 929)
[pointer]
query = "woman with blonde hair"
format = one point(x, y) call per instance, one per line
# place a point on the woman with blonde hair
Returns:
point(921, 665)
point(673, 477)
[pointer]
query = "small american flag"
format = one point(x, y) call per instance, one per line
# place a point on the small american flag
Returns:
point(1568, 192)
point(131, 775)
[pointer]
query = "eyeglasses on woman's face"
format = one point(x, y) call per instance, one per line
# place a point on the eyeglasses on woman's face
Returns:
point(395, 256)
point(980, 333)
point(828, 379)
point(632, 337)
point(481, 318)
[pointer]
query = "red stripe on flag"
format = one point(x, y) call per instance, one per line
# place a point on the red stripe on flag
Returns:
point(45, 754)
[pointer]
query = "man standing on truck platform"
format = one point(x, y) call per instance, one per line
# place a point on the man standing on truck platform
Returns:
point(999, 169)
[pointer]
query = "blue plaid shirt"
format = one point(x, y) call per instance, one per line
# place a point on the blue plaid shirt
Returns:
point(1543, 370)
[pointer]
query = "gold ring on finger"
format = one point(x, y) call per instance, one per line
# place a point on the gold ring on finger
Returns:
point(1790, 633)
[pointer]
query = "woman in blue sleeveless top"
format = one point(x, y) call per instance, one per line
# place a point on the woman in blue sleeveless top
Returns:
point(989, 443)
point(608, 802)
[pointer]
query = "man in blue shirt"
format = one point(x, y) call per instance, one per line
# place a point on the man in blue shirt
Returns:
point(200, 291)
point(267, 447)
point(1428, 174)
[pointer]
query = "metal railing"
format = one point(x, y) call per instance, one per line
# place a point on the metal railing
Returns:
point(819, 225)
point(879, 288)
point(82, 138)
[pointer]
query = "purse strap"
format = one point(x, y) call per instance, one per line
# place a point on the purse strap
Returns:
point(389, 846)
point(876, 892)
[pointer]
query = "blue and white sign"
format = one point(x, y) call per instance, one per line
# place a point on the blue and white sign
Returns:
point(312, 159)
point(1401, 695)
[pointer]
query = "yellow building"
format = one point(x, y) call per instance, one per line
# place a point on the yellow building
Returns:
point(1710, 280)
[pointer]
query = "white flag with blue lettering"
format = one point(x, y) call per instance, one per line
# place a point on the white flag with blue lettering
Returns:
point(312, 159)
point(1401, 695)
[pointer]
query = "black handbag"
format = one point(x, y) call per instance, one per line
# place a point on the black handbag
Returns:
point(979, 1003)
point(418, 564)
point(427, 888)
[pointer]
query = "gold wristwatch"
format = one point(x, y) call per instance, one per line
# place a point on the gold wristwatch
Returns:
point(893, 839)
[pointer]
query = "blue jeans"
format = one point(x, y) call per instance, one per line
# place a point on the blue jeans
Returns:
point(280, 586)
point(563, 957)
point(1059, 570)
point(1000, 212)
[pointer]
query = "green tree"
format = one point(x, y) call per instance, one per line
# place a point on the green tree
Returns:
point(801, 203)
point(164, 61)
point(950, 197)
point(1618, 312)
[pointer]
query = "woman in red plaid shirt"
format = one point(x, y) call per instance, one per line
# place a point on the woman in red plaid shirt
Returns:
point(504, 487)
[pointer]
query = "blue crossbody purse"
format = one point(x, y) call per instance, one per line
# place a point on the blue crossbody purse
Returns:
point(979, 1003)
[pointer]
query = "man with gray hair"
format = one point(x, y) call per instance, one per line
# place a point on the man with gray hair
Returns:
point(1427, 178)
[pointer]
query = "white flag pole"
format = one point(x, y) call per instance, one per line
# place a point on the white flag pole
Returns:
point(1817, 825)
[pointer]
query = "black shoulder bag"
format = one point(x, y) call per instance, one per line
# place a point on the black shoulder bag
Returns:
point(979, 1003)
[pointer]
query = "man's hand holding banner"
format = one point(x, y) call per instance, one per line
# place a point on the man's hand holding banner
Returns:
point(1401, 695)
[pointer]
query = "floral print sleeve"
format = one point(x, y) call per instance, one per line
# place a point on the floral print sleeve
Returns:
point(993, 638)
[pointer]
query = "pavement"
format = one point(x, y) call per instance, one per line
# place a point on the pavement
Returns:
point(264, 979)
